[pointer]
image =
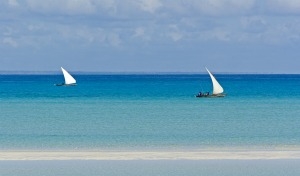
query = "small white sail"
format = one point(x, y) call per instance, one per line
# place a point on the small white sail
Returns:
point(217, 88)
point(68, 78)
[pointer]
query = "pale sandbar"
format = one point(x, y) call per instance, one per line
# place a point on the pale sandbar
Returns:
point(147, 155)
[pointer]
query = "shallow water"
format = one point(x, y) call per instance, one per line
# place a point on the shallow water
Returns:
point(150, 168)
point(148, 112)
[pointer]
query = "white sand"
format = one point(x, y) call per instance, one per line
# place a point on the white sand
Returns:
point(147, 155)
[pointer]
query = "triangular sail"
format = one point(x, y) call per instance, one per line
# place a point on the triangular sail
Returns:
point(68, 78)
point(217, 88)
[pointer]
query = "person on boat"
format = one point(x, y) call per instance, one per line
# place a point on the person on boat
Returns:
point(200, 94)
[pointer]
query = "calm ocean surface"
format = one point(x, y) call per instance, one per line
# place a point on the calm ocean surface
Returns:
point(152, 168)
point(152, 112)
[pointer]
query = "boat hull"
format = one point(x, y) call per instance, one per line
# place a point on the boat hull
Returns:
point(211, 96)
point(65, 84)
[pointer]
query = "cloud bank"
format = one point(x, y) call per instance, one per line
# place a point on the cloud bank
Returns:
point(111, 21)
point(135, 25)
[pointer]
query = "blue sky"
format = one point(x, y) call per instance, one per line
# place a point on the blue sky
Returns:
point(251, 36)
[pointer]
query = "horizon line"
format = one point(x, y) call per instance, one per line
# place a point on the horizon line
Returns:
point(131, 73)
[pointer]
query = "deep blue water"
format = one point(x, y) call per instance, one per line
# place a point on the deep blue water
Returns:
point(148, 112)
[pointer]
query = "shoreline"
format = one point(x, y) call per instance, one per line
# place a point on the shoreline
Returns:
point(150, 155)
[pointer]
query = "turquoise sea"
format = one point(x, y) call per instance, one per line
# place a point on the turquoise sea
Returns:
point(148, 112)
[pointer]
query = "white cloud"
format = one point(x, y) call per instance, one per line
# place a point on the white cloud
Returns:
point(220, 7)
point(36, 27)
point(13, 3)
point(116, 22)
point(69, 7)
point(9, 41)
point(284, 6)
point(174, 33)
point(114, 39)
point(79, 34)
point(266, 30)
point(106, 6)
point(150, 5)
point(155, 8)
point(283, 33)
point(8, 31)
point(254, 24)
point(139, 32)
point(48, 26)
point(175, 36)
point(216, 34)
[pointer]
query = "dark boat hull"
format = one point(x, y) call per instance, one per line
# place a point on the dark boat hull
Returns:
point(211, 96)
point(65, 84)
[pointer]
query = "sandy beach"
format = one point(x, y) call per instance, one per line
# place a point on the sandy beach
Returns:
point(147, 155)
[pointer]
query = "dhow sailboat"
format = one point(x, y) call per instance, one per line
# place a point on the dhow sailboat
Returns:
point(217, 88)
point(69, 80)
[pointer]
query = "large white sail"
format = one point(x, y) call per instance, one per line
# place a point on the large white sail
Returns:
point(217, 88)
point(68, 78)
